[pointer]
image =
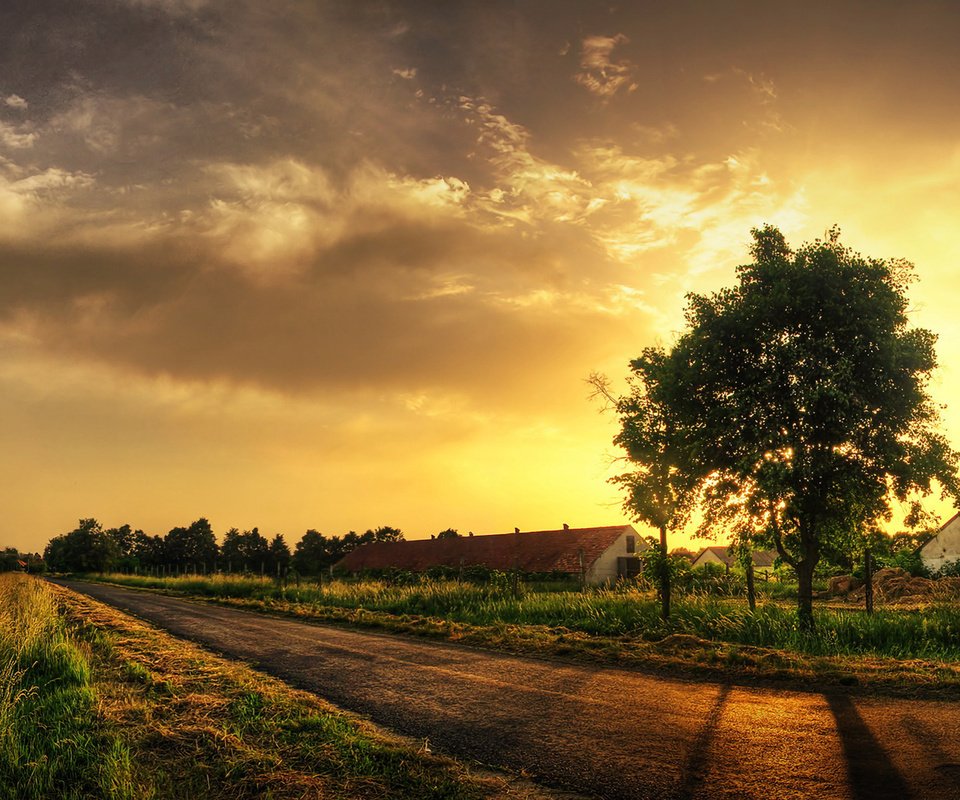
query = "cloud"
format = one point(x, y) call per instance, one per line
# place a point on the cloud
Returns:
point(16, 138)
point(290, 281)
point(15, 101)
point(599, 74)
point(408, 74)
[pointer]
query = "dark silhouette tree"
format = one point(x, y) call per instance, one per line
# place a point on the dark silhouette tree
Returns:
point(385, 534)
point(192, 547)
point(661, 487)
point(87, 548)
point(449, 533)
point(279, 555)
point(149, 552)
point(803, 393)
point(311, 553)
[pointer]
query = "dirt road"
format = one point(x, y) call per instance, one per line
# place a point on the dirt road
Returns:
point(604, 732)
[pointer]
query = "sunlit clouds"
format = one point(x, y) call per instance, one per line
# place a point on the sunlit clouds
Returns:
point(335, 267)
point(600, 73)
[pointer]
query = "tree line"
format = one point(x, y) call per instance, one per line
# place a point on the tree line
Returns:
point(194, 549)
point(12, 560)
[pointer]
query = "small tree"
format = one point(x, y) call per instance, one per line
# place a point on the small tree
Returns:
point(661, 488)
point(279, 555)
point(311, 554)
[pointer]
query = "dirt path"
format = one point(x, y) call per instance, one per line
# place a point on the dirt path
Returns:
point(602, 731)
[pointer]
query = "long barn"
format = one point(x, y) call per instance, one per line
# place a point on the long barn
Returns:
point(602, 553)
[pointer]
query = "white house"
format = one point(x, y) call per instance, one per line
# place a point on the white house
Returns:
point(762, 559)
point(944, 547)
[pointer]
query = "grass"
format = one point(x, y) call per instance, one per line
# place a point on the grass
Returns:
point(911, 651)
point(51, 744)
point(151, 716)
point(931, 632)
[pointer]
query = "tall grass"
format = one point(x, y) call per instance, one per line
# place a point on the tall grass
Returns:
point(50, 743)
point(931, 633)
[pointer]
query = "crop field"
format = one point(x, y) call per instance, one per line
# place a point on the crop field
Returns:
point(930, 632)
point(96, 704)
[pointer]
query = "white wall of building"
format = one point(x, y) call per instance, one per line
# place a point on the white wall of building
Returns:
point(605, 567)
point(944, 547)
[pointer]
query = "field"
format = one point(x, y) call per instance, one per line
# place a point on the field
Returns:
point(921, 644)
point(96, 704)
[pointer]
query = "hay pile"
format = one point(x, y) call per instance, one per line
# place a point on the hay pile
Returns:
point(893, 584)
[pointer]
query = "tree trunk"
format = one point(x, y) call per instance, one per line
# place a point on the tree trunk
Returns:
point(868, 579)
point(664, 575)
point(751, 594)
point(805, 594)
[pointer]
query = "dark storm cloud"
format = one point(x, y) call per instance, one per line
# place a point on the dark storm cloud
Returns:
point(377, 307)
point(308, 194)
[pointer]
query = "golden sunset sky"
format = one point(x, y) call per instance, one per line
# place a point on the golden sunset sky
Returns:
point(303, 264)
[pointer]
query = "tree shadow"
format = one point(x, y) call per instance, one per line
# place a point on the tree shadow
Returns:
point(947, 767)
point(695, 766)
point(870, 771)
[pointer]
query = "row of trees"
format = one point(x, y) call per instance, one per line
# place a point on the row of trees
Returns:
point(194, 548)
point(12, 560)
point(793, 411)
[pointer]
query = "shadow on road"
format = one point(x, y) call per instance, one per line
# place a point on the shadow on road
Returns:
point(870, 771)
point(929, 739)
point(698, 758)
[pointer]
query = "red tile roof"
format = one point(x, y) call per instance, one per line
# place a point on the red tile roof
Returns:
point(536, 551)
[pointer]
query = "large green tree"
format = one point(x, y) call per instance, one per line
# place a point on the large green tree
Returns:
point(802, 392)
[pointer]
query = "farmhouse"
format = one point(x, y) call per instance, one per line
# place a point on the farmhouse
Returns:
point(603, 554)
point(944, 547)
point(762, 559)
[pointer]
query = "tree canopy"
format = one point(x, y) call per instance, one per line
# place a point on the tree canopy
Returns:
point(798, 400)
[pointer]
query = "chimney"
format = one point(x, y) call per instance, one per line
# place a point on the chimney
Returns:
point(566, 527)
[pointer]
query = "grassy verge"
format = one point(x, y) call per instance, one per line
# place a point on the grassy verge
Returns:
point(158, 718)
point(51, 742)
point(906, 650)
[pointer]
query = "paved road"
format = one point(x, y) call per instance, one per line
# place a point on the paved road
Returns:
point(604, 732)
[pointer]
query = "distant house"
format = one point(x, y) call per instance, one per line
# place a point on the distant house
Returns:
point(944, 547)
point(762, 559)
point(603, 554)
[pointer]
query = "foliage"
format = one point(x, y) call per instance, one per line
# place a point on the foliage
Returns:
point(654, 563)
point(244, 552)
point(279, 555)
point(661, 486)
point(51, 741)
point(951, 569)
point(804, 396)
point(87, 548)
point(12, 560)
point(622, 610)
point(316, 553)
point(192, 546)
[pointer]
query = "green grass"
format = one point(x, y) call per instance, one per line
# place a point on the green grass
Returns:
point(932, 632)
point(50, 742)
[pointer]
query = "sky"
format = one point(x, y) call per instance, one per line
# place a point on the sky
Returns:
point(339, 265)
